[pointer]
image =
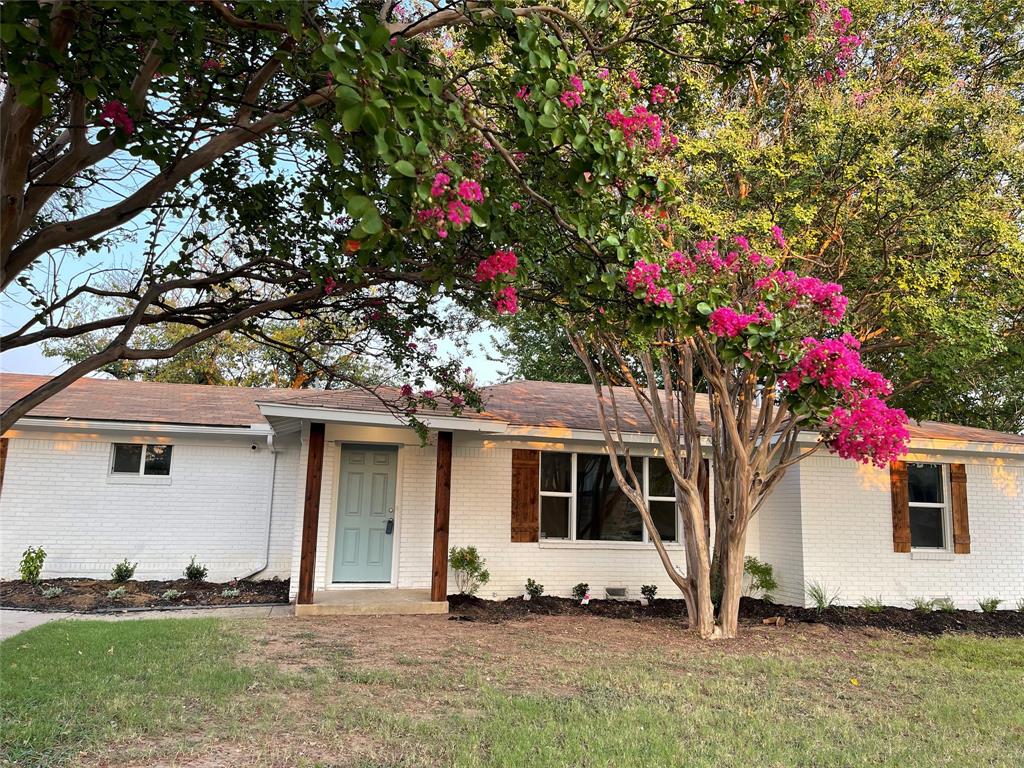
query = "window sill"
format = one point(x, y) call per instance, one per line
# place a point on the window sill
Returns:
point(617, 545)
point(138, 480)
point(931, 554)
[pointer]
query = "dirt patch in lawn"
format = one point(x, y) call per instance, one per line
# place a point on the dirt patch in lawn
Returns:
point(87, 595)
point(752, 612)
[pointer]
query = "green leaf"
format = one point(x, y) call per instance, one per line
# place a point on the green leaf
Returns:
point(358, 206)
point(405, 168)
point(547, 121)
point(704, 308)
point(351, 118)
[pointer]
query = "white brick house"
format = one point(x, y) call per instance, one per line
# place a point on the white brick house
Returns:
point(329, 489)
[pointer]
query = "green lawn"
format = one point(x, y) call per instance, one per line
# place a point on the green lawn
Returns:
point(549, 692)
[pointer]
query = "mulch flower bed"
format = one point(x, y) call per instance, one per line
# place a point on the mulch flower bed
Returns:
point(752, 611)
point(93, 594)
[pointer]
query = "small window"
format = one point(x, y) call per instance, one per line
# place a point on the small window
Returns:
point(929, 508)
point(135, 459)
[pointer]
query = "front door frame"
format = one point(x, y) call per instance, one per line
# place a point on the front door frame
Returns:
point(395, 534)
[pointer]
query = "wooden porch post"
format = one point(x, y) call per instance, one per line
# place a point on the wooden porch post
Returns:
point(311, 511)
point(442, 506)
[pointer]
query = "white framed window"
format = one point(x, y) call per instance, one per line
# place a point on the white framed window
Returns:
point(580, 499)
point(139, 460)
point(930, 510)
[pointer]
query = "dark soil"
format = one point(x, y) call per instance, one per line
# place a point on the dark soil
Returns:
point(752, 611)
point(91, 594)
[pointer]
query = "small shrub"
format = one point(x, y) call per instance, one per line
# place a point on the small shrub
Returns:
point(195, 571)
point(649, 591)
point(989, 604)
point(51, 592)
point(872, 604)
point(117, 594)
point(533, 589)
point(123, 571)
point(171, 594)
point(581, 590)
point(923, 604)
point(762, 578)
point(32, 564)
point(470, 573)
point(231, 593)
point(943, 605)
point(821, 596)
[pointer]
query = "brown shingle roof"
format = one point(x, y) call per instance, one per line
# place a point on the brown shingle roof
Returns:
point(520, 403)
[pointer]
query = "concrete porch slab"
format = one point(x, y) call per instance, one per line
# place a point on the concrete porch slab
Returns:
point(370, 602)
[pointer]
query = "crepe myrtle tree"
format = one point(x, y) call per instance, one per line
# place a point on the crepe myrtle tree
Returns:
point(259, 157)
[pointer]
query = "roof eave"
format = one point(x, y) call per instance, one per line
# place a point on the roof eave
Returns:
point(330, 415)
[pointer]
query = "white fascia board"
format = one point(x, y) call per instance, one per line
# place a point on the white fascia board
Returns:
point(91, 425)
point(931, 445)
point(380, 418)
point(583, 435)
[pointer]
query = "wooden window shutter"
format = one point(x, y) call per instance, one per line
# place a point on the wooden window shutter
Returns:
point(525, 495)
point(958, 492)
point(900, 506)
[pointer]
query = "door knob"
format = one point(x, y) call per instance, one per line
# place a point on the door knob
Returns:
point(390, 527)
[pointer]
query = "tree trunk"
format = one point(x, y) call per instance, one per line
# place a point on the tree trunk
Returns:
point(731, 570)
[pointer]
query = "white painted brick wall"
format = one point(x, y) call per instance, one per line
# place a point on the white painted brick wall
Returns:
point(847, 536)
point(780, 537)
point(57, 494)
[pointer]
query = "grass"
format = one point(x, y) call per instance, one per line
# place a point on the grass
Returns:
point(548, 692)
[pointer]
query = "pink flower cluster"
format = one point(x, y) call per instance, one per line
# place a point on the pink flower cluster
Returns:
point(868, 431)
point(727, 322)
point(506, 301)
point(847, 42)
point(660, 94)
point(638, 121)
point(644, 275)
point(836, 364)
point(827, 297)
point(454, 208)
point(115, 114)
point(498, 263)
point(573, 96)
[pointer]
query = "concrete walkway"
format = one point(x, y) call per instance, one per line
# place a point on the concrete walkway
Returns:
point(12, 622)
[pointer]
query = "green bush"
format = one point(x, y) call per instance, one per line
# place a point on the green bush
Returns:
point(649, 591)
point(872, 604)
point(923, 605)
point(172, 594)
point(51, 592)
point(195, 571)
point(821, 596)
point(470, 573)
point(762, 578)
point(230, 593)
point(581, 590)
point(533, 589)
point(118, 593)
point(123, 571)
point(32, 564)
point(989, 604)
point(943, 605)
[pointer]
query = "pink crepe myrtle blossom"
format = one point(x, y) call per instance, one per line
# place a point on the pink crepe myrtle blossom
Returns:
point(459, 213)
point(836, 364)
point(517, 206)
point(212, 64)
point(778, 236)
point(572, 97)
point(115, 114)
point(330, 285)
point(457, 400)
point(440, 184)
point(660, 94)
point(523, 94)
point(506, 301)
point(868, 431)
point(603, 73)
point(633, 124)
point(470, 191)
point(634, 79)
point(406, 390)
point(726, 322)
point(498, 263)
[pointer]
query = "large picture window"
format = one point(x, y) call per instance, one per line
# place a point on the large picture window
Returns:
point(929, 506)
point(580, 499)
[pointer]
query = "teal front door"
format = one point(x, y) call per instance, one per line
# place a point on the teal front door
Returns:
point(364, 532)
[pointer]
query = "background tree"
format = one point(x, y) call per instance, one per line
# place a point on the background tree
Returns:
point(301, 144)
point(902, 179)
